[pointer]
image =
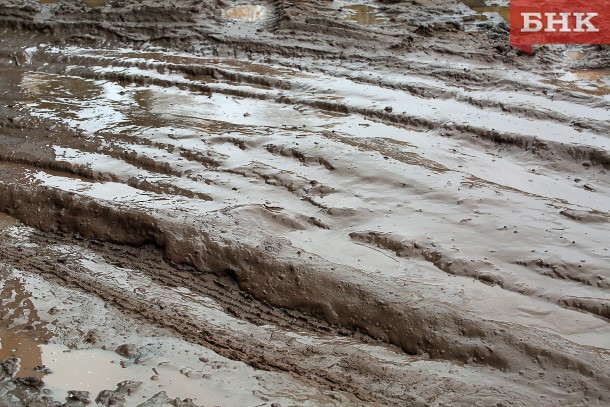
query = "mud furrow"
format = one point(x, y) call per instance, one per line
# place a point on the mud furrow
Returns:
point(331, 311)
point(483, 271)
point(349, 364)
point(596, 155)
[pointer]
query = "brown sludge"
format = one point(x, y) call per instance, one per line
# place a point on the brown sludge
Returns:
point(299, 203)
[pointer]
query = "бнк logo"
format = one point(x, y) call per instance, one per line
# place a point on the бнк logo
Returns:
point(559, 22)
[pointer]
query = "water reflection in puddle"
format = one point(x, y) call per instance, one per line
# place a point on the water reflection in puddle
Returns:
point(482, 8)
point(246, 12)
point(595, 75)
point(363, 14)
point(23, 335)
point(575, 55)
point(94, 107)
point(593, 82)
point(24, 347)
point(21, 331)
point(91, 370)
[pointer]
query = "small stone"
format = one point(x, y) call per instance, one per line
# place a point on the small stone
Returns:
point(91, 337)
point(30, 381)
point(127, 350)
point(127, 387)
point(104, 397)
point(10, 366)
point(78, 395)
point(43, 369)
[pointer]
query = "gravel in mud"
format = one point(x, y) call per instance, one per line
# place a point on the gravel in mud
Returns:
point(299, 203)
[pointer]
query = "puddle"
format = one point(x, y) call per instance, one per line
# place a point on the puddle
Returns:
point(363, 14)
point(24, 347)
point(482, 8)
point(17, 312)
point(60, 87)
point(593, 82)
point(161, 362)
point(21, 331)
point(91, 370)
point(246, 12)
point(54, 93)
point(84, 104)
point(596, 81)
point(595, 75)
point(575, 55)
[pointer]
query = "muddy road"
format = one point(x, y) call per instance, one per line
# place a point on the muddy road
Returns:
point(299, 203)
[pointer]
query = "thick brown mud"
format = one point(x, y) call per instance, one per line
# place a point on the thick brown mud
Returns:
point(299, 203)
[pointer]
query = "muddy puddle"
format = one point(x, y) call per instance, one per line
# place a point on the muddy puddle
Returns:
point(21, 330)
point(246, 12)
point(487, 10)
point(77, 355)
point(593, 82)
point(24, 347)
point(599, 80)
point(363, 14)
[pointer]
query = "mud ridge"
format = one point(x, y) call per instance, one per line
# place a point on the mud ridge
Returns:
point(596, 157)
point(437, 92)
point(87, 174)
point(295, 153)
point(221, 287)
point(477, 269)
point(566, 271)
point(298, 186)
point(434, 329)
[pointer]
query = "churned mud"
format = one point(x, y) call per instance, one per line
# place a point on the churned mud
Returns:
point(222, 203)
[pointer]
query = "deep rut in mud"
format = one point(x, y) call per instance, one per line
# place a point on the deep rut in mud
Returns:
point(330, 203)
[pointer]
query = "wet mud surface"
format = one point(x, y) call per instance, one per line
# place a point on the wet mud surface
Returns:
point(299, 203)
